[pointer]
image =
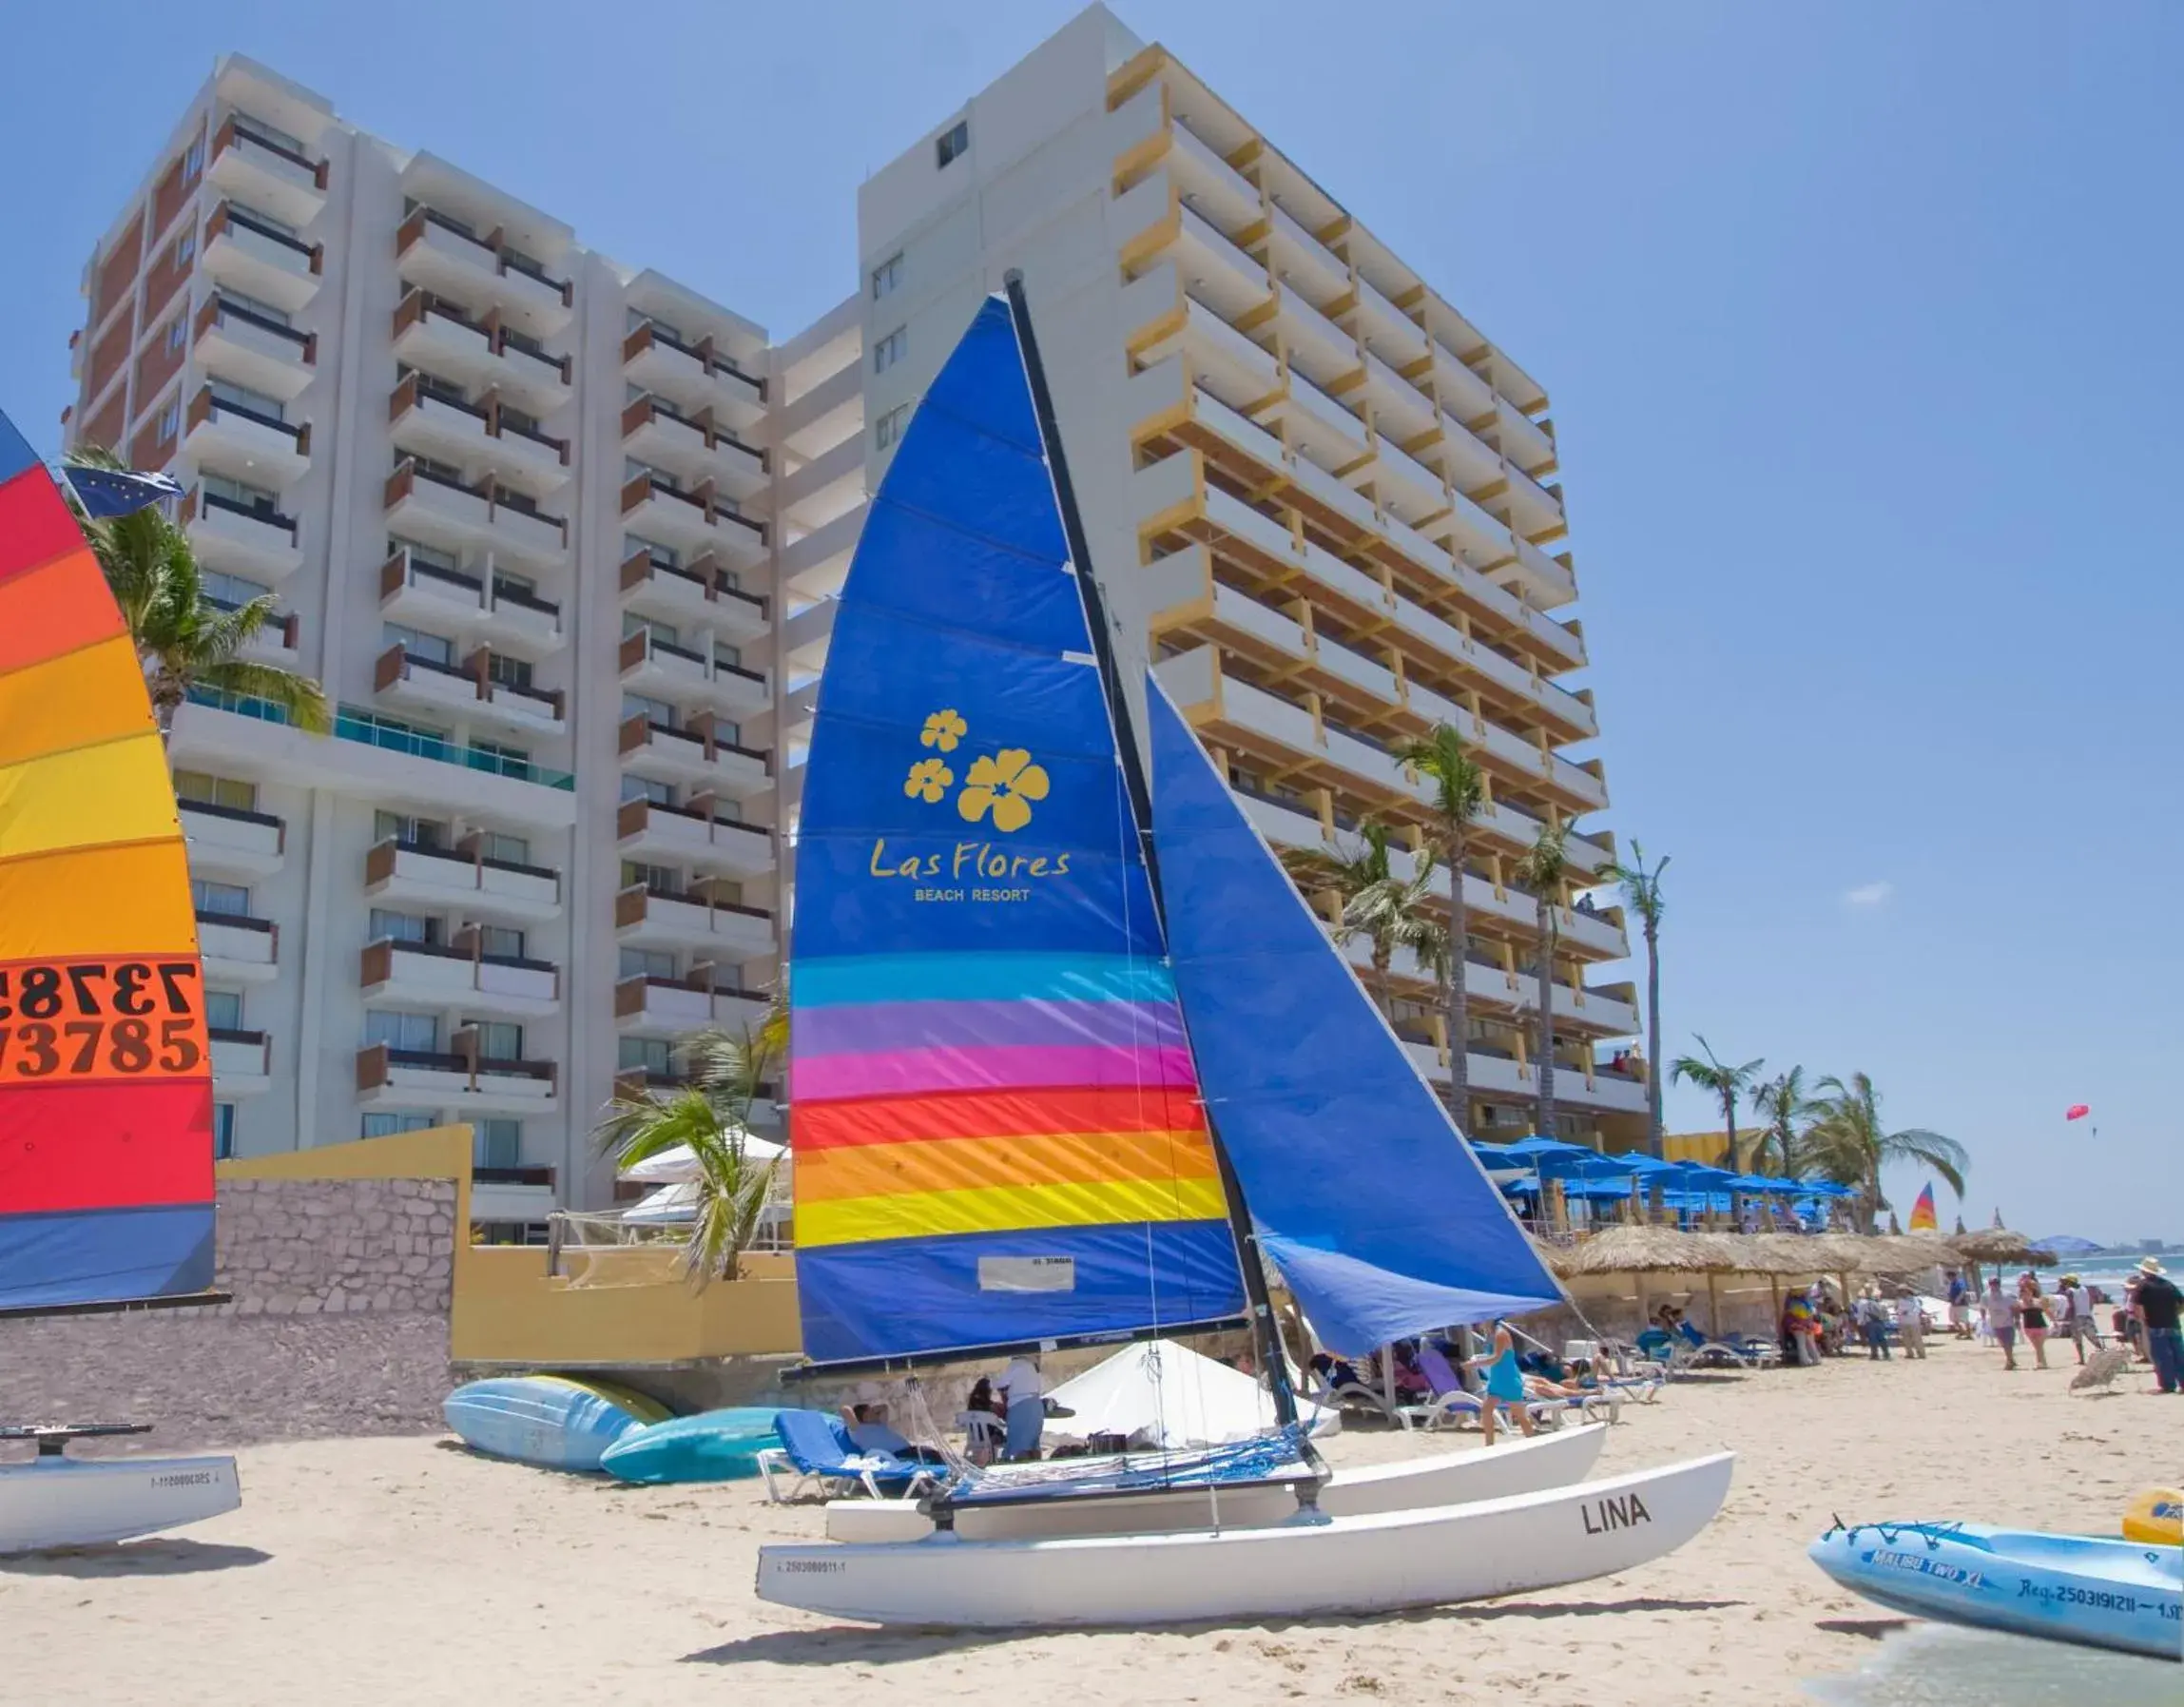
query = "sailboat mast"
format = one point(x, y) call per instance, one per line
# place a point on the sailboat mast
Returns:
point(1265, 1330)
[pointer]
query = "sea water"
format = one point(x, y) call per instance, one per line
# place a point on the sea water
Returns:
point(1946, 1665)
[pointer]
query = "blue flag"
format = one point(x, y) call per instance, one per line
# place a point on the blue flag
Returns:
point(105, 493)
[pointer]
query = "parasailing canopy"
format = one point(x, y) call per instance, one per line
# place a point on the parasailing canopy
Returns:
point(106, 1085)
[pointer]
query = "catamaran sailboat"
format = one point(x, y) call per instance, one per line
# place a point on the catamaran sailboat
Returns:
point(1070, 1061)
point(105, 1081)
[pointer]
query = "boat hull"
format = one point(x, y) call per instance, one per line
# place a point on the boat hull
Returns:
point(549, 1422)
point(1521, 1467)
point(2093, 1590)
point(1381, 1562)
point(712, 1445)
point(81, 1503)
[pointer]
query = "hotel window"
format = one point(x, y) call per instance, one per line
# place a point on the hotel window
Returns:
point(648, 962)
point(505, 671)
point(501, 942)
point(223, 1130)
point(411, 832)
point(170, 422)
point(890, 350)
point(498, 1144)
point(953, 142)
point(242, 398)
point(657, 712)
point(498, 1039)
point(645, 1055)
point(254, 498)
point(388, 925)
point(193, 160)
point(663, 632)
point(508, 850)
point(386, 1126)
point(265, 311)
point(888, 275)
point(413, 1034)
point(224, 1010)
point(224, 592)
point(653, 879)
point(645, 788)
point(186, 249)
point(415, 643)
point(231, 900)
point(202, 789)
point(177, 335)
point(888, 428)
point(665, 556)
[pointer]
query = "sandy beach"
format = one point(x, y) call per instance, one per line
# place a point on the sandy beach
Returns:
point(362, 1570)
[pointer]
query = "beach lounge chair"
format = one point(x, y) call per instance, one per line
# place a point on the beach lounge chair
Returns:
point(817, 1449)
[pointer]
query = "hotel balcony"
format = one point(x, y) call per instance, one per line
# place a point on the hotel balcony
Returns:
point(249, 256)
point(401, 874)
point(815, 565)
point(426, 422)
point(230, 440)
point(1299, 259)
point(263, 173)
point(443, 255)
point(692, 447)
point(1386, 330)
point(1500, 1077)
point(441, 975)
point(1210, 186)
point(1583, 1013)
point(484, 605)
point(696, 594)
point(693, 835)
point(1152, 223)
point(695, 376)
point(277, 642)
point(230, 842)
point(693, 522)
point(483, 354)
point(459, 1084)
point(249, 349)
point(243, 538)
point(237, 949)
point(242, 1064)
point(518, 1194)
point(675, 1007)
point(725, 933)
point(455, 515)
point(467, 691)
point(662, 669)
point(693, 757)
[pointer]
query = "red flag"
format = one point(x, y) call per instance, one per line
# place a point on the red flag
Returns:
point(2078, 1110)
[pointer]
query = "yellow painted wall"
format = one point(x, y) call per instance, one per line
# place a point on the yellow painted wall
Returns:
point(607, 1308)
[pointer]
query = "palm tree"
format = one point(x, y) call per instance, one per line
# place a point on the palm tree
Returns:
point(183, 640)
point(1727, 1083)
point(1388, 911)
point(1782, 1104)
point(1458, 791)
point(710, 1114)
point(1849, 1143)
point(1540, 871)
point(1642, 895)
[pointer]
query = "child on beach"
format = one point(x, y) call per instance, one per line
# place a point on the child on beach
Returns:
point(1504, 1383)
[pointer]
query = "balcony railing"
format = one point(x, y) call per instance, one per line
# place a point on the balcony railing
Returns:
point(353, 723)
point(702, 352)
point(201, 499)
point(218, 310)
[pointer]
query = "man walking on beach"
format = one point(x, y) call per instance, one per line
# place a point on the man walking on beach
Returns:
point(1960, 1307)
point(1911, 1326)
point(2158, 1308)
point(2002, 1312)
point(2077, 1314)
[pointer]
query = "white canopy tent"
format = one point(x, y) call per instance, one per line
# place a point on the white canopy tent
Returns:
point(676, 1166)
point(1166, 1395)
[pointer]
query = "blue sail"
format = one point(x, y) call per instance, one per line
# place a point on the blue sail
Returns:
point(1378, 1214)
point(995, 1124)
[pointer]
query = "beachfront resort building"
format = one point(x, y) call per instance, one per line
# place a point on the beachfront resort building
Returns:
point(526, 509)
point(1320, 497)
point(562, 538)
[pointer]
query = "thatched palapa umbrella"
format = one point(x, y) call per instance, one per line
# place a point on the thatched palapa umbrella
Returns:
point(1637, 1249)
point(2002, 1248)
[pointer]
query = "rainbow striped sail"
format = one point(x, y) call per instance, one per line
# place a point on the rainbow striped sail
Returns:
point(994, 1113)
point(106, 1085)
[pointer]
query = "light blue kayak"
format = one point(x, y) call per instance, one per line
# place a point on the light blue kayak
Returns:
point(554, 1421)
point(713, 1445)
point(2097, 1590)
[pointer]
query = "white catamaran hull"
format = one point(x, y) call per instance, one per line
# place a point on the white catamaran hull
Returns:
point(1339, 1565)
point(57, 1501)
point(1521, 1467)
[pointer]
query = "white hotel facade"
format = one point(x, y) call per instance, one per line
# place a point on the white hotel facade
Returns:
point(561, 537)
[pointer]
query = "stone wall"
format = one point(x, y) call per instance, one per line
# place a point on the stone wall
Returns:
point(334, 1247)
point(339, 1325)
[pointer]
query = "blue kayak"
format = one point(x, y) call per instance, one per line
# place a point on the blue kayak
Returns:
point(2097, 1590)
point(554, 1421)
point(713, 1445)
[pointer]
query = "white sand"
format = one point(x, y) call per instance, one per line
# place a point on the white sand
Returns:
point(406, 1570)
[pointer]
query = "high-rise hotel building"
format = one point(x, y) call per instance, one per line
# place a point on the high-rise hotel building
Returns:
point(562, 538)
point(1321, 499)
point(526, 511)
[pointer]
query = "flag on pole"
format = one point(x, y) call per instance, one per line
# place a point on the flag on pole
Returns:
point(110, 492)
point(2078, 1110)
point(1923, 1216)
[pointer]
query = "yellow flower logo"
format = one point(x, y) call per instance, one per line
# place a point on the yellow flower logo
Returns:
point(929, 780)
point(944, 729)
point(1007, 784)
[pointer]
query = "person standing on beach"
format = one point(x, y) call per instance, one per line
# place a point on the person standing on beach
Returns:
point(2160, 1308)
point(2001, 1315)
point(2032, 1314)
point(1872, 1323)
point(1960, 1307)
point(1024, 1397)
point(1504, 1383)
point(1911, 1326)
point(2078, 1315)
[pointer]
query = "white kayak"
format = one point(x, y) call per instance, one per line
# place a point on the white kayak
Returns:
point(1519, 1466)
point(1344, 1566)
point(59, 1501)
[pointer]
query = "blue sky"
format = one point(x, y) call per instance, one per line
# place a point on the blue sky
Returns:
point(1860, 324)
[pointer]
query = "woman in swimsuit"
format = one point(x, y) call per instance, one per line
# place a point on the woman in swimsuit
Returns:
point(2032, 1316)
point(1504, 1382)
